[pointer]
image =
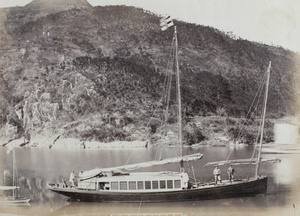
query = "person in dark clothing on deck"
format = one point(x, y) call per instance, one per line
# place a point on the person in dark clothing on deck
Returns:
point(230, 172)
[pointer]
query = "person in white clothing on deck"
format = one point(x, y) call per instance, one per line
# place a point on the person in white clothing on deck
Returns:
point(72, 179)
point(217, 174)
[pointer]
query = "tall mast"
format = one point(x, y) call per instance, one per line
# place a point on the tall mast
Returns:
point(263, 120)
point(178, 92)
point(14, 155)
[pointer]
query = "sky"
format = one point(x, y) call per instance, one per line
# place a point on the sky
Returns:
point(273, 22)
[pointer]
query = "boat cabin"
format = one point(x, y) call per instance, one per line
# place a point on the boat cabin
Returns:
point(137, 181)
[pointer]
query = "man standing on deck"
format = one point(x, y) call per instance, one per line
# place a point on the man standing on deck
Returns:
point(230, 172)
point(217, 174)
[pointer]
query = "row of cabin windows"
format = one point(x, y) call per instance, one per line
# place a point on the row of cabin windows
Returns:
point(141, 185)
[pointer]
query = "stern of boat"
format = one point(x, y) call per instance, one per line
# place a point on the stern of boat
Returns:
point(262, 184)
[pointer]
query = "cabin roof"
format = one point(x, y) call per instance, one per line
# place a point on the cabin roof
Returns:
point(166, 173)
point(147, 176)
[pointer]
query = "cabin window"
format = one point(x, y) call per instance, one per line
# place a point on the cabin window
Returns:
point(147, 184)
point(132, 185)
point(123, 185)
point(101, 185)
point(177, 184)
point(169, 184)
point(140, 185)
point(155, 185)
point(114, 186)
point(162, 184)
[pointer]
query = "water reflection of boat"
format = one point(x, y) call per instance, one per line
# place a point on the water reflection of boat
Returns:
point(15, 199)
point(115, 185)
point(124, 209)
point(213, 207)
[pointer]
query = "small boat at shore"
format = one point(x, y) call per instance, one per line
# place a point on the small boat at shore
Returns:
point(15, 199)
point(10, 200)
point(119, 184)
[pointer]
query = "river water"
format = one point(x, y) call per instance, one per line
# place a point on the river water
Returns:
point(39, 166)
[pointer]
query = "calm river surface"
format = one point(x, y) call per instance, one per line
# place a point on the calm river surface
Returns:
point(39, 166)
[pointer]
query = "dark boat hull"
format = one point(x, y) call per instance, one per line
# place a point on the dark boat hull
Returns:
point(237, 189)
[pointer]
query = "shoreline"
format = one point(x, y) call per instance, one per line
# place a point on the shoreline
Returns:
point(75, 143)
point(215, 131)
point(70, 143)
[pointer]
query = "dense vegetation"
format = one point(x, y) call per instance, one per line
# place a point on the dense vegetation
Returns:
point(98, 74)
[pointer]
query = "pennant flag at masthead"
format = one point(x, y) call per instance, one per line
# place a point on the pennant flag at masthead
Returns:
point(165, 23)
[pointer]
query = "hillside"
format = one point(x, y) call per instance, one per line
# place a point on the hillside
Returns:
point(97, 73)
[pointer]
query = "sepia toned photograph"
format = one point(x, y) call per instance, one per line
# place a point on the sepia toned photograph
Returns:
point(149, 107)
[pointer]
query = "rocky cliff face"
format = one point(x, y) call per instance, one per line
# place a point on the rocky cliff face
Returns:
point(98, 73)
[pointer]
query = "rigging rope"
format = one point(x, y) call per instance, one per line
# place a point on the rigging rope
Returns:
point(169, 80)
point(260, 122)
point(252, 112)
point(165, 98)
point(129, 158)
